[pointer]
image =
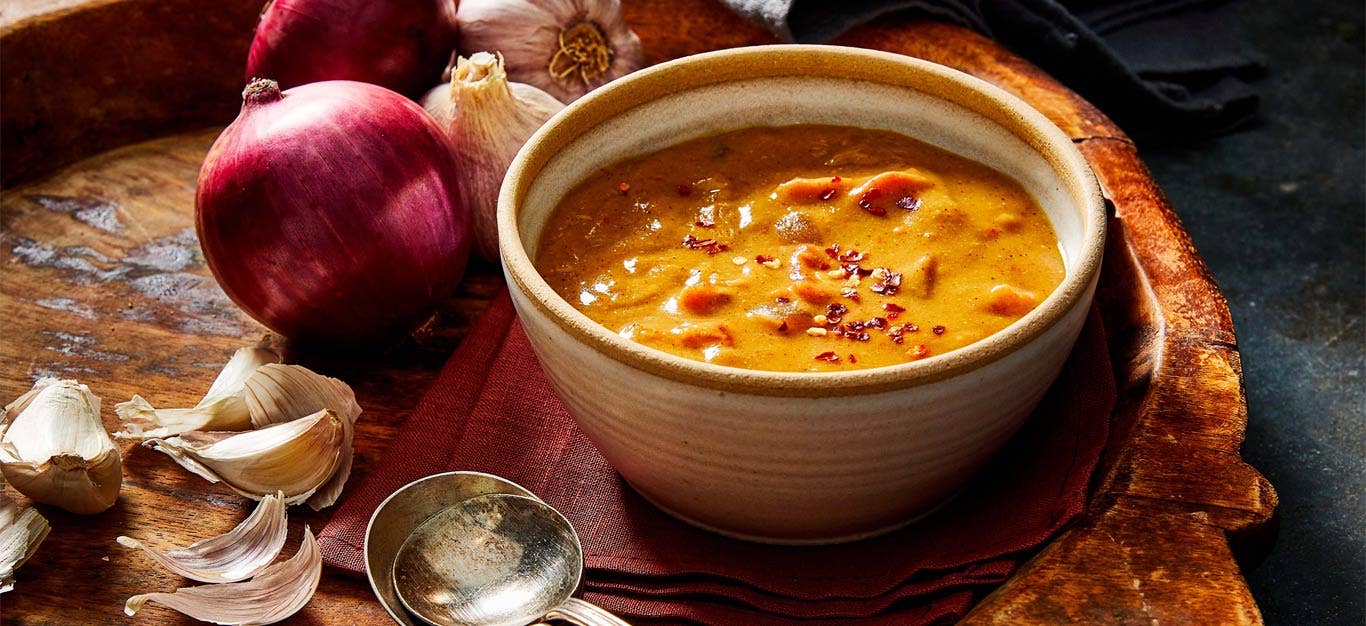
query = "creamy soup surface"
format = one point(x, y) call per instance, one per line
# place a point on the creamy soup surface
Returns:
point(801, 248)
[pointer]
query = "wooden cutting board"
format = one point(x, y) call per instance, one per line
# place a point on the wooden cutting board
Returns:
point(109, 106)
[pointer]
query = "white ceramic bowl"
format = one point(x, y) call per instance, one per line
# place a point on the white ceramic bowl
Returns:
point(799, 457)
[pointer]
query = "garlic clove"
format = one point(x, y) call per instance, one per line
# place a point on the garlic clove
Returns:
point(280, 393)
point(296, 458)
point(232, 556)
point(327, 494)
point(273, 595)
point(564, 47)
point(487, 119)
point(54, 449)
point(21, 530)
point(222, 408)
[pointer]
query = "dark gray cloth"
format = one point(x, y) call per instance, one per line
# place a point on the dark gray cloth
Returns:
point(1163, 69)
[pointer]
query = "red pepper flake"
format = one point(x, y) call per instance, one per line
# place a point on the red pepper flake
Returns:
point(938, 330)
point(871, 208)
point(888, 283)
point(828, 356)
point(763, 258)
point(710, 246)
point(866, 202)
point(623, 187)
point(834, 312)
point(852, 358)
point(833, 251)
point(892, 307)
point(858, 331)
point(909, 203)
point(782, 328)
point(850, 292)
point(783, 299)
point(921, 351)
point(835, 180)
point(684, 190)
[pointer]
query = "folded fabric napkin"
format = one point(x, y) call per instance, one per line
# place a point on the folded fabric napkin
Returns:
point(492, 409)
point(1163, 69)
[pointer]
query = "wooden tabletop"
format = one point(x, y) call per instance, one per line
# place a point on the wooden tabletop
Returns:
point(108, 108)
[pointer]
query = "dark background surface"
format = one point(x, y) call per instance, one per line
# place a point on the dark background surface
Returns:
point(1278, 211)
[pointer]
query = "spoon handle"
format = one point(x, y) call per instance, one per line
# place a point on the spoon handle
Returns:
point(584, 613)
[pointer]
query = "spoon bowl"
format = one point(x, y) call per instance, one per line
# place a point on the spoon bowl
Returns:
point(492, 560)
point(405, 510)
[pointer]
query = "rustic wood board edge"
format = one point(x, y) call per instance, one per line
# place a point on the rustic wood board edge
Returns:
point(1172, 488)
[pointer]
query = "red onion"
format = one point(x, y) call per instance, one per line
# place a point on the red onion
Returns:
point(399, 44)
point(332, 212)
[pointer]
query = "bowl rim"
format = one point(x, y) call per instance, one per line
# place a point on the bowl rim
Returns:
point(787, 61)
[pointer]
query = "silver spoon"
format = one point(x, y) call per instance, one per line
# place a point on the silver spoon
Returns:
point(495, 560)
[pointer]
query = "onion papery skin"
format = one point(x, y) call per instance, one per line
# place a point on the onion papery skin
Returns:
point(399, 44)
point(332, 213)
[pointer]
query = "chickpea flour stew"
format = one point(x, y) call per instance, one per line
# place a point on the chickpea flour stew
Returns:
point(801, 248)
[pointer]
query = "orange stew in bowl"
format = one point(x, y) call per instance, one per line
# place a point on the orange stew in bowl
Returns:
point(801, 248)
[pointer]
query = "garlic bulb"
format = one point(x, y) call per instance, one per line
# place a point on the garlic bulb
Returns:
point(306, 459)
point(566, 47)
point(223, 407)
point(232, 556)
point(21, 530)
point(273, 595)
point(54, 449)
point(488, 119)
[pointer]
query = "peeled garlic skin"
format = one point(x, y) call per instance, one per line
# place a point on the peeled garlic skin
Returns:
point(273, 595)
point(487, 119)
point(54, 449)
point(527, 32)
point(232, 556)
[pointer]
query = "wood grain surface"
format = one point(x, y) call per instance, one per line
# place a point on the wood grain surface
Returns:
point(103, 282)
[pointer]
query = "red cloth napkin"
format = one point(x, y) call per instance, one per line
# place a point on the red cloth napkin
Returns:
point(492, 409)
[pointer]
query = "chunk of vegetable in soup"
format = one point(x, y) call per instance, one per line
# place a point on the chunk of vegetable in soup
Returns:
point(801, 248)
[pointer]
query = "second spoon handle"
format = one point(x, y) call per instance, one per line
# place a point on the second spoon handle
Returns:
point(584, 613)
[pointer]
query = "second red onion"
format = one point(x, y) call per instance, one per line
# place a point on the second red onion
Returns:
point(399, 45)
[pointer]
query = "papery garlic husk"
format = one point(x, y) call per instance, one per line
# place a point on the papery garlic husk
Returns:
point(232, 556)
point(273, 595)
point(21, 530)
point(303, 458)
point(487, 119)
point(223, 407)
point(54, 449)
point(565, 47)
